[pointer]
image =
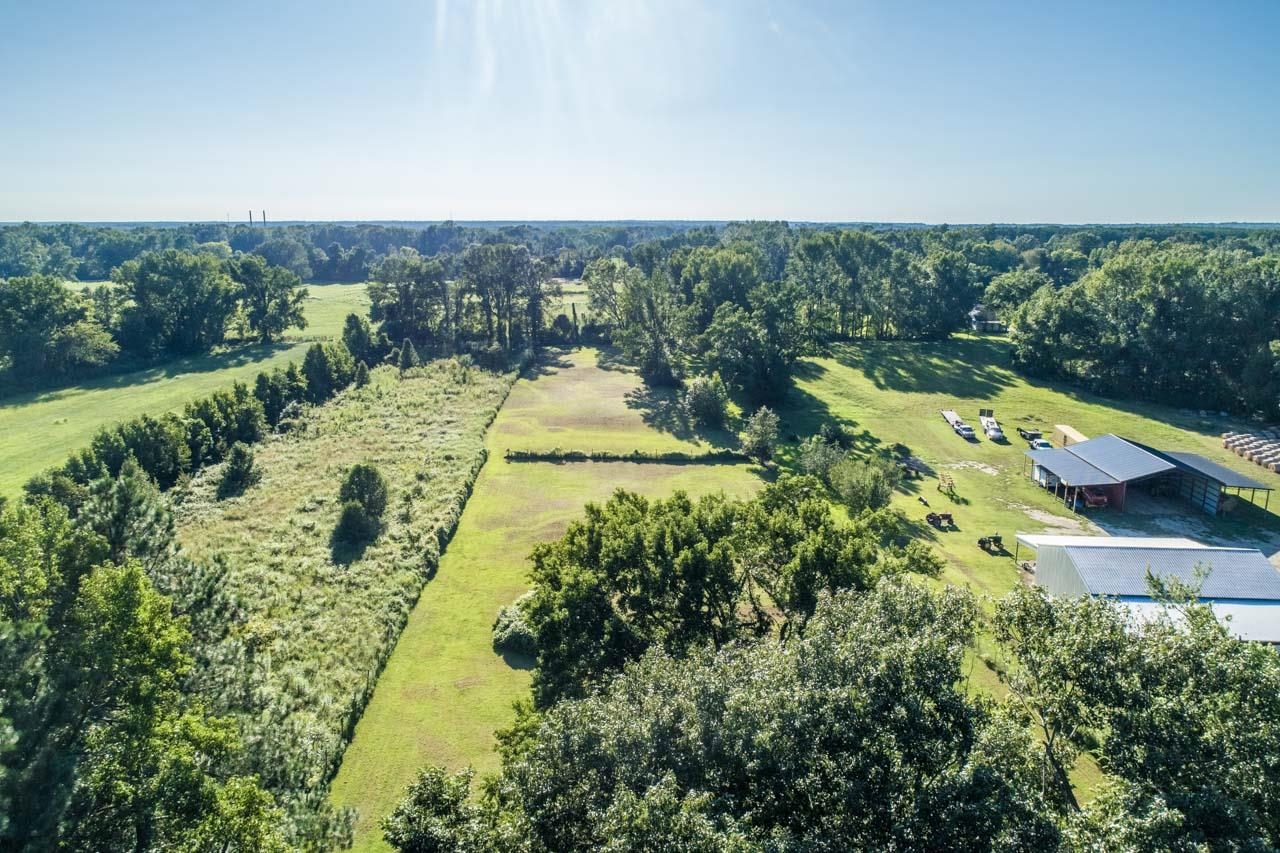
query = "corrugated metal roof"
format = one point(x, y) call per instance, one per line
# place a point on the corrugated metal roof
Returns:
point(1070, 468)
point(1037, 540)
point(1208, 468)
point(1121, 459)
point(1233, 572)
point(1258, 621)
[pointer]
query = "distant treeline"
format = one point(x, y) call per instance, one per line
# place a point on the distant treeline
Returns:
point(1178, 313)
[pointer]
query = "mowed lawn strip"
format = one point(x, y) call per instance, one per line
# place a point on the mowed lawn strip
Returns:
point(444, 690)
point(39, 430)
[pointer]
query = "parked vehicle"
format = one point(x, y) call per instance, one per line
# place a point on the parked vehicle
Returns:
point(993, 544)
point(940, 520)
point(1029, 434)
point(1093, 497)
point(1041, 444)
point(957, 423)
point(990, 426)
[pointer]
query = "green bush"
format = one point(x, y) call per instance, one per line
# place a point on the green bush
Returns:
point(864, 484)
point(760, 435)
point(512, 632)
point(818, 457)
point(356, 525)
point(239, 473)
point(365, 486)
point(706, 400)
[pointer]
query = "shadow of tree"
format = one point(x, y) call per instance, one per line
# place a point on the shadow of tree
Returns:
point(516, 660)
point(549, 362)
point(344, 552)
point(661, 409)
point(964, 367)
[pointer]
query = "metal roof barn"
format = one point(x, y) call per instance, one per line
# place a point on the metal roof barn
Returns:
point(1235, 582)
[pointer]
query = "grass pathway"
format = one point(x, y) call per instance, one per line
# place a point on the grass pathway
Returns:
point(444, 691)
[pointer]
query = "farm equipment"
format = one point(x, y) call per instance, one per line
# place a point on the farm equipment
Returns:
point(940, 520)
point(957, 423)
point(990, 426)
point(993, 544)
point(1029, 434)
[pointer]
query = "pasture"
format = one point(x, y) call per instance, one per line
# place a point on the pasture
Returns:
point(444, 690)
point(39, 430)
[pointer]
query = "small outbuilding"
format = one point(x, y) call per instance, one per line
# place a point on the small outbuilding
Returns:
point(1239, 584)
point(1110, 465)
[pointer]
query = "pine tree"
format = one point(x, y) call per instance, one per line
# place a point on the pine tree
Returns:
point(408, 356)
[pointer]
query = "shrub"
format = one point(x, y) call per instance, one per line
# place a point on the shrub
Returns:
point(818, 457)
point(355, 525)
point(864, 484)
point(357, 336)
point(511, 630)
point(362, 374)
point(408, 356)
point(327, 368)
point(706, 400)
point(366, 486)
point(833, 433)
point(761, 434)
point(239, 473)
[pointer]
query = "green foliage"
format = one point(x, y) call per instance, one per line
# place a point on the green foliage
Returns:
point(760, 434)
point(327, 369)
point(272, 296)
point(180, 302)
point(362, 374)
point(435, 816)
point(512, 631)
point(357, 337)
point(862, 484)
point(239, 473)
point(408, 358)
point(47, 331)
point(107, 750)
point(818, 456)
point(1179, 324)
point(857, 734)
point(365, 485)
point(706, 400)
point(679, 573)
point(1008, 291)
point(130, 515)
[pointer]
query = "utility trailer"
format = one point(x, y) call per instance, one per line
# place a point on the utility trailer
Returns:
point(1029, 434)
point(990, 426)
point(957, 423)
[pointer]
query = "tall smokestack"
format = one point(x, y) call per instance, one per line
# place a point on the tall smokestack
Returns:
point(264, 219)
point(250, 218)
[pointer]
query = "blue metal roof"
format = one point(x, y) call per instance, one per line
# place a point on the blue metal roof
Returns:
point(1238, 573)
point(1122, 459)
point(1071, 469)
point(1196, 464)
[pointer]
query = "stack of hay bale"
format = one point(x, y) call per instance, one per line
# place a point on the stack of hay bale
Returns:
point(1261, 448)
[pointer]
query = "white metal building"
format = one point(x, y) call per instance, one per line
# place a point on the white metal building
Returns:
point(1241, 586)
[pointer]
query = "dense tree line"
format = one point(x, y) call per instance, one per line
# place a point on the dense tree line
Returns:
point(162, 304)
point(858, 730)
point(1184, 324)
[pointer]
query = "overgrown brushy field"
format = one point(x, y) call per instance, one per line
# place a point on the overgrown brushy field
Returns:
point(319, 621)
point(39, 430)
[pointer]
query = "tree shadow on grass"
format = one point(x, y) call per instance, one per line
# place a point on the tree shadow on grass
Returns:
point(142, 374)
point(549, 362)
point(965, 367)
point(661, 409)
point(344, 552)
point(516, 660)
point(801, 415)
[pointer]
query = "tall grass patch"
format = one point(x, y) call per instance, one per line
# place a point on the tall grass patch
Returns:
point(318, 621)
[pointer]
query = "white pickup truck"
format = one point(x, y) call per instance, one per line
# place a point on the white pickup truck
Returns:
point(957, 423)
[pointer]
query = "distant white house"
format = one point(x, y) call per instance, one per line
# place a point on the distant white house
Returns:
point(1242, 587)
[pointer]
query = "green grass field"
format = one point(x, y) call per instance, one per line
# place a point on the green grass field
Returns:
point(444, 690)
point(39, 430)
point(887, 393)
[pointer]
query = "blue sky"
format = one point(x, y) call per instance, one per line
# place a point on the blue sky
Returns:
point(649, 109)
